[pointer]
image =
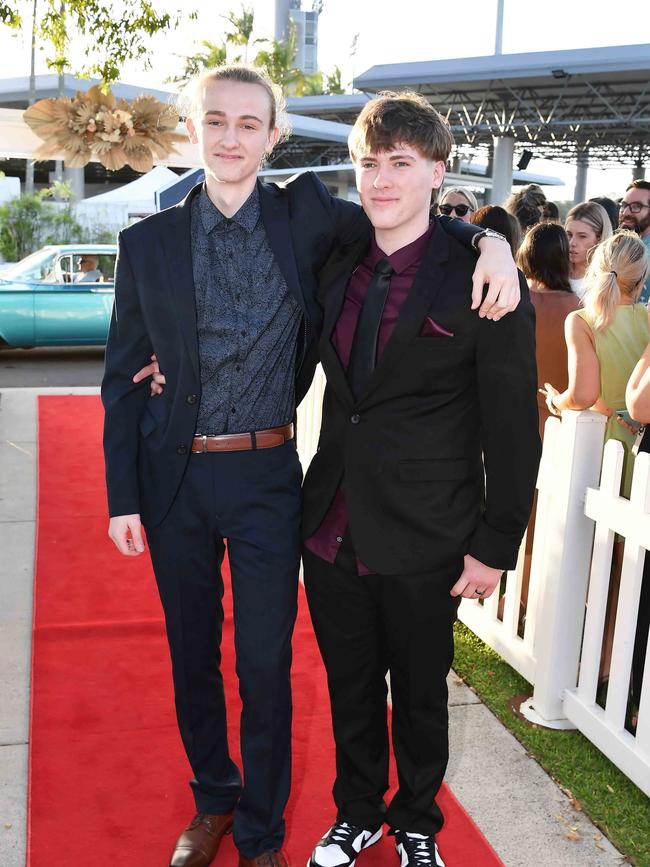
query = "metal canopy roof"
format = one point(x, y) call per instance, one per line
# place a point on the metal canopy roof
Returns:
point(559, 104)
point(334, 106)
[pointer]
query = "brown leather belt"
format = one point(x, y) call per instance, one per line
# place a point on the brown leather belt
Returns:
point(261, 439)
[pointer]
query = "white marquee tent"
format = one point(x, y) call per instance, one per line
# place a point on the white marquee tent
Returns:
point(139, 196)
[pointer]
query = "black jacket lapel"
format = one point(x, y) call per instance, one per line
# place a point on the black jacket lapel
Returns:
point(332, 286)
point(421, 298)
point(178, 249)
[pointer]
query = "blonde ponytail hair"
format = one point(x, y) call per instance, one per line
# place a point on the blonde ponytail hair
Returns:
point(618, 267)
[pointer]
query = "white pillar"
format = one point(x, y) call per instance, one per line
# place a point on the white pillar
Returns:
point(580, 192)
point(281, 20)
point(75, 179)
point(504, 148)
point(498, 41)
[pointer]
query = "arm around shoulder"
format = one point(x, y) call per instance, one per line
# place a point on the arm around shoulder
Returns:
point(350, 225)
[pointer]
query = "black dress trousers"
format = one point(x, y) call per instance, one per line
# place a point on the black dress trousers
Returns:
point(366, 626)
point(252, 499)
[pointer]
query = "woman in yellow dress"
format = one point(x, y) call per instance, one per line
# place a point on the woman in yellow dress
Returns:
point(605, 340)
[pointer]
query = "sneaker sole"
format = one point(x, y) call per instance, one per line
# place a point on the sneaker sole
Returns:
point(376, 837)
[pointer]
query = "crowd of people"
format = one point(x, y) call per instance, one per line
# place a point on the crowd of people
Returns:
point(572, 269)
point(589, 284)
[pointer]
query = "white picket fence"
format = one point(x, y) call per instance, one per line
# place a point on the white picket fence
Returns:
point(557, 646)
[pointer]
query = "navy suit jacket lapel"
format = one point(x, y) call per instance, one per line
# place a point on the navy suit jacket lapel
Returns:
point(178, 249)
point(274, 208)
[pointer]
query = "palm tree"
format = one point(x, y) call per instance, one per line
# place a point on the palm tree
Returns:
point(214, 55)
point(243, 32)
point(278, 59)
point(333, 81)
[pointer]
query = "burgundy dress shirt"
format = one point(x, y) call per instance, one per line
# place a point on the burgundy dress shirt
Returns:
point(326, 541)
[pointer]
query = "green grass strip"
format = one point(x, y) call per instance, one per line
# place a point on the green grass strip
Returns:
point(606, 795)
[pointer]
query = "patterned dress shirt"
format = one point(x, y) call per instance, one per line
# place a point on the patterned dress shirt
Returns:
point(247, 322)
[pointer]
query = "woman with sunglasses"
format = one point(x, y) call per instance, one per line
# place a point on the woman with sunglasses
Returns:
point(458, 203)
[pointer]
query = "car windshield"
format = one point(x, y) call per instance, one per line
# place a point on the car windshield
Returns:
point(37, 267)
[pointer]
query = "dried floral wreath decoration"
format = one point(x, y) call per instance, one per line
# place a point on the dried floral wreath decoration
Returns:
point(94, 125)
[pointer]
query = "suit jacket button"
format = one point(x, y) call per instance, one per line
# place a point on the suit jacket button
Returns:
point(181, 450)
point(355, 419)
point(192, 398)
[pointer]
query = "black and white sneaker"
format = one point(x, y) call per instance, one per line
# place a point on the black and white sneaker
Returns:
point(341, 845)
point(417, 850)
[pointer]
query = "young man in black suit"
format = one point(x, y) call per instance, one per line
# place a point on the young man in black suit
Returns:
point(222, 290)
point(422, 484)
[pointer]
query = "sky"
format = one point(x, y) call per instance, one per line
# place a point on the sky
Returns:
point(404, 31)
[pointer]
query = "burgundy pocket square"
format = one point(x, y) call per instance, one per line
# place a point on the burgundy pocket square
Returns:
point(432, 329)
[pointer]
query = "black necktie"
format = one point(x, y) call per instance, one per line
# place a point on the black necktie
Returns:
point(364, 346)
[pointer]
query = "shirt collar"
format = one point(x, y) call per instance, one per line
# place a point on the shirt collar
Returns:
point(405, 257)
point(246, 217)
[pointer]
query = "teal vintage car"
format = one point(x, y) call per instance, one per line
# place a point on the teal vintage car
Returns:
point(59, 296)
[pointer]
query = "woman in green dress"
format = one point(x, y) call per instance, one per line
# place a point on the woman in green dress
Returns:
point(605, 340)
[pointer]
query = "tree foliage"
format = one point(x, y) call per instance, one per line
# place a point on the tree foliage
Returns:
point(28, 223)
point(277, 57)
point(114, 32)
point(9, 14)
point(193, 64)
point(243, 29)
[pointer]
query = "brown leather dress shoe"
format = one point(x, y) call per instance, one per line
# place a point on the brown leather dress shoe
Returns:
point(199, 842)
point(266, 859)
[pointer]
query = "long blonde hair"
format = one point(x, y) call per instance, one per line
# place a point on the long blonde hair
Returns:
point(595, 216)
point(618, 267)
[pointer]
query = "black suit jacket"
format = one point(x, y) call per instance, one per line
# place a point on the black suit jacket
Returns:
point(147, 440)
point(439, 456)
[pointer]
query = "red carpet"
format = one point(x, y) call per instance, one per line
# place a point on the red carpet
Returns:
point(107, 783)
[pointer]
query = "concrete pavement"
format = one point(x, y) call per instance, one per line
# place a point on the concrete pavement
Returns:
point(526, 817)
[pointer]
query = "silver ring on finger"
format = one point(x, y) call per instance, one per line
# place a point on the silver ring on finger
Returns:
point(479, 592)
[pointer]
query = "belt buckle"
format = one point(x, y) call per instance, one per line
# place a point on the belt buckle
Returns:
point(204, 443)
